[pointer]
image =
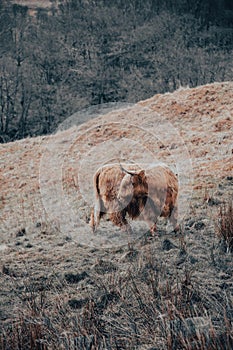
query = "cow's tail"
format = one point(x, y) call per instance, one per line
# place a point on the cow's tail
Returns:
point(96, 211)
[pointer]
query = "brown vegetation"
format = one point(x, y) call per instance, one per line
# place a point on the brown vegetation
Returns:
point(63, 287)
point(225, 225)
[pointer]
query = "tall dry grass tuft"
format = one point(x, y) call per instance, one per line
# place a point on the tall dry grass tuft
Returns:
point(225, 225)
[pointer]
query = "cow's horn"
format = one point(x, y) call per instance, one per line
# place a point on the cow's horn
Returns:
point(126, 171)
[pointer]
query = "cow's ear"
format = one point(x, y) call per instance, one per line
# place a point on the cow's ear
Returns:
point(139, 178)
point(142, 175)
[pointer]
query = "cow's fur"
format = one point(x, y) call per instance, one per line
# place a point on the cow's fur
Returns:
point(121, 190)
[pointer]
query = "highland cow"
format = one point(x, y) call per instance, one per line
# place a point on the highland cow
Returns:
point(147, 194)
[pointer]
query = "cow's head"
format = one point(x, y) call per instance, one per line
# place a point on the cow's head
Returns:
point(133, 185)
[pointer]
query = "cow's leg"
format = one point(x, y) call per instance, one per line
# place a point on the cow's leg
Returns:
point(173, 219)
point(96, 215)
point(126, 227)
point(150, 218)
point(153, 229)
point(150, 215)
point(118, 218)
point(92, 220)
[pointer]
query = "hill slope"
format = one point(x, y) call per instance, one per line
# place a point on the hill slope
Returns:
point(190, 129)
point(46, 195)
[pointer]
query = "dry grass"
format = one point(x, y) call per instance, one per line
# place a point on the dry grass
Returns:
point(164, 294)
point(145, 307)
point(225, 225)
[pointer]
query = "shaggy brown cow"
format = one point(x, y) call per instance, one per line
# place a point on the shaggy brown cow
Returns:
point(147, 194)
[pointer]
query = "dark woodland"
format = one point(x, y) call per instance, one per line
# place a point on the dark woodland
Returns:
point(88, 52)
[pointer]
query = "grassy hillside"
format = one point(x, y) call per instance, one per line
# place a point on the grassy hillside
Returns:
point(64, 287)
